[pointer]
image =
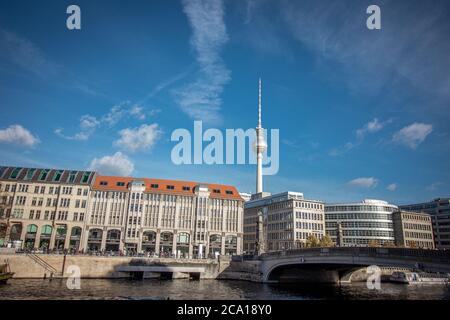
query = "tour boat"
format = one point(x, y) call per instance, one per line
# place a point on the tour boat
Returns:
point(416, 278)
point(5, 273)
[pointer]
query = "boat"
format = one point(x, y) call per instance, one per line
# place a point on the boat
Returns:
point(5, 273)
point(419, 278)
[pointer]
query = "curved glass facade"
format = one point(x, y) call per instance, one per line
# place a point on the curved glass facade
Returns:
point(360, 224)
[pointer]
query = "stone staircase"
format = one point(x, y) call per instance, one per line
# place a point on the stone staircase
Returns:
point(44, 264)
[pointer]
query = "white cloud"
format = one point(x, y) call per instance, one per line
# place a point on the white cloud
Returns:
point(370, 127)
point(412, 135)
point(336, 31)
point(364, 182)
point(137, 112)
point(88, 124)
point(201, 99)
point(26, 55)
point(117, 164)
point(341, 150)
point(392, 187)
point(16, 134)
point(141, 138)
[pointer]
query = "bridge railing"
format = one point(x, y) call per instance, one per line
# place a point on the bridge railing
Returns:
point(441, 255)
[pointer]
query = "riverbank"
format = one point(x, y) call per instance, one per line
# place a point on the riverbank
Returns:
point(41, 266)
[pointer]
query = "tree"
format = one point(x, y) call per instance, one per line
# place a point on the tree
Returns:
point(413, 244)
point(312, 241)
point(326, 241)
point(388, 244)
point(373, 243)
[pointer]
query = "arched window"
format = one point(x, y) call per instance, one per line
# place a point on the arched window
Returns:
point(76, 232)
point(149, 236)
point(166, 237)
point(46, 230)
point(32, 228)
point(183, 238)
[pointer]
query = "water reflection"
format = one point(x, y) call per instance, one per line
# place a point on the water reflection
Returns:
point(209, 289)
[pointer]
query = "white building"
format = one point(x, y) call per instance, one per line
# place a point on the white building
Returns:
point(281, 222)
point(361, 223)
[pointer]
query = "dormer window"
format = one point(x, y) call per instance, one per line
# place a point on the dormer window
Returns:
point(120, 184)
point(43, 174)
point(57, 176)
point(216, 191)
point(186, 188)
point(103, 183)
point(170, 187)
point(15, 173)
point(229, 192)
point(154, 186)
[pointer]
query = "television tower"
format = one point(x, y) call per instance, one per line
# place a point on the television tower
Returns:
point(260, 146)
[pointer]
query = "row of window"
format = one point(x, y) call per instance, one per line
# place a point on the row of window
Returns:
point(309, 226)
point(168, 187)
point(417, 226)
point(44, 174)
point(358, 216)
point(418, 235)
point(362, 208)
point(360, 224)
point(309, 216)
point(24, 188)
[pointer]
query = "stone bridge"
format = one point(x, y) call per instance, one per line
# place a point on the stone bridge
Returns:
point(341, 264)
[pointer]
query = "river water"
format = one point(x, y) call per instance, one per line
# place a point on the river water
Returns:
point(210, 289)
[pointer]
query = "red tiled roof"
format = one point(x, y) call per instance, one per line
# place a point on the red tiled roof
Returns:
point(112, 181)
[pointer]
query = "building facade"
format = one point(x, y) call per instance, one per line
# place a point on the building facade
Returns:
point(439, 210)
point(281, 222)
point(44, 208)
point(360, 224)
point(83, 211)
point(412, 229)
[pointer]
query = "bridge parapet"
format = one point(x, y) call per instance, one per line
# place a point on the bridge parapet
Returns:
point(418, 254)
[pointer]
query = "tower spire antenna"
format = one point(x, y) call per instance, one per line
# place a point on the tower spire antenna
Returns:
point(259, 105)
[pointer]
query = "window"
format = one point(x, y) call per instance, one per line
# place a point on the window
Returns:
point(57, 176)
point(30, 174)
point(79, 190)
point(170, 187)
point(229, 192)
point(154, 185)
point(43, 174)
point(120, 184)
point(186, 188)
point(72, 176)
point(85, 177)
point(103, 183)
point(216, 191)
point(15, 173)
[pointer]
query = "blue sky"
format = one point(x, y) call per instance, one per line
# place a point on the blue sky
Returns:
point(361, 113)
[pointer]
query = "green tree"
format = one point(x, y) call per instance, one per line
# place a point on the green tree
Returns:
point(312, 241)
point(326, 241)
point(373, 243)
